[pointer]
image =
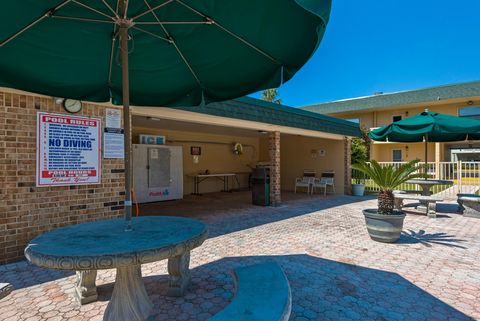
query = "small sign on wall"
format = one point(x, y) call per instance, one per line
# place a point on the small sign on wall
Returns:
point(195, 150)
point(152, 139)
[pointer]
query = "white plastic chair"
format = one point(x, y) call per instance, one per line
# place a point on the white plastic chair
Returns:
point(306, 181)
point(327, 179)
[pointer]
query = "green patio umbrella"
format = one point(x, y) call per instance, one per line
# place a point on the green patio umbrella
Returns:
point(428, 127)
point(155, 52)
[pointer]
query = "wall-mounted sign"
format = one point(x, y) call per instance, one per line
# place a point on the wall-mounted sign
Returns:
point(68, 150)
point(152, 139)
point(113, 144)
point(113, 118)
point(195, 150)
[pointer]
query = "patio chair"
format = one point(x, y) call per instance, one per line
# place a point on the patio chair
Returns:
point(327, 179)
point(306, 180)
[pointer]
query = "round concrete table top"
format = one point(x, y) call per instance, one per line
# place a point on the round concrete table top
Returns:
point(429, 182)
point(105, 244)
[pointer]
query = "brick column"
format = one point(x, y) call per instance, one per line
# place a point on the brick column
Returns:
point(347, 161)
point(274, 152)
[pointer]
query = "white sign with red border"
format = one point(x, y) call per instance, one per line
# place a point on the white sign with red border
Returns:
point(68, 150)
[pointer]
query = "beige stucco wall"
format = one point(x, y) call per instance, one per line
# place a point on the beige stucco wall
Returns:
point(381, 117)
point(296, 155)
point(217, 156)
point(383, 152)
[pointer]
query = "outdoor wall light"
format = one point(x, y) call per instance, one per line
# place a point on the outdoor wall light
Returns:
point(153, 118)
point(470, 102)
point(58, 100)
point(263, 132)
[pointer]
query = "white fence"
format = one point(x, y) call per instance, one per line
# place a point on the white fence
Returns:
point(464, 175)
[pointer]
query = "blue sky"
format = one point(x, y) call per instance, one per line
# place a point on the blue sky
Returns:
point(389, 45)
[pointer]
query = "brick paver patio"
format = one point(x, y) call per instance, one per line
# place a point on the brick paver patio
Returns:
point(335, 271)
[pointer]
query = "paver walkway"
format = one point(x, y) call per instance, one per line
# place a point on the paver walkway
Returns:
point(335, 271)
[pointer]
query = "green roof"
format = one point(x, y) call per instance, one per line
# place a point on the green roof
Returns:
point(425, 95)
point(252, 109)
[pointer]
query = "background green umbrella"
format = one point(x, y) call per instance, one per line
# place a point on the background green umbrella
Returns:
point(155, 52)
point(428, 127)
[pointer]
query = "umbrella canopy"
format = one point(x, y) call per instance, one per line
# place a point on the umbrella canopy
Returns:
point(181, 52)
point(430, 126)
point(155, 52)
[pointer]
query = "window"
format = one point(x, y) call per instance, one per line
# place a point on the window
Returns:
point(354, 120)
point(396, 117)
point(397, 155)
point(470, 112)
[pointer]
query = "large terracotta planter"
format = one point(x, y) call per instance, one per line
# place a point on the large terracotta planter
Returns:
point(384, 228)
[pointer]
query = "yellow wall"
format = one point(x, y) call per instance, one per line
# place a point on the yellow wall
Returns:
point(381, 117)
point(296, 155)
point(383, 152)
point(217, 156)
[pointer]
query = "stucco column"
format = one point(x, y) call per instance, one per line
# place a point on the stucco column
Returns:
point(274, 152)
point(438, 155)
point(347, 165)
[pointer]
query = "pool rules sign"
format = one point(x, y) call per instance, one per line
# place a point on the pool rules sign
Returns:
point(68, 150)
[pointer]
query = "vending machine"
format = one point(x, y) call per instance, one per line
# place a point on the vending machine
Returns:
point(157, 173)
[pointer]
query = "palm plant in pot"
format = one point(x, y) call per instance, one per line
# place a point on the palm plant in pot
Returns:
point(385, 224)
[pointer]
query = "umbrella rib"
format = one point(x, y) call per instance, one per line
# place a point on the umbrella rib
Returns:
point(110, 8)
point(174, 23)
point(186, 63)
point(211, 21)
point(174, 44)
point(93, 9)
point(152, 34)
point(151, 9)
point(33, 23)
point(82, 19)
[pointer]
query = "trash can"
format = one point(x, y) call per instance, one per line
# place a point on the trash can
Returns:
point(261, 186)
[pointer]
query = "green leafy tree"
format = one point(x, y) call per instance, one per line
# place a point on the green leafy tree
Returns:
point(388, 178)
point(271, 95)
point(359, 151)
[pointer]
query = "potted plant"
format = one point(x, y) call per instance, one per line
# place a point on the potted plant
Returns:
point(358, 188)
point(385, 224)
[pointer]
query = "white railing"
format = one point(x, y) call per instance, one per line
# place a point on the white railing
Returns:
point(464, 175)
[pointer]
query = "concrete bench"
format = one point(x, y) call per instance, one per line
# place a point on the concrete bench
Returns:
point(429, 201)
point(262, 294)
point(470, 204)
point(5, 289)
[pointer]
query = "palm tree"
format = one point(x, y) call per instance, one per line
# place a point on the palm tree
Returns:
point(388, 178)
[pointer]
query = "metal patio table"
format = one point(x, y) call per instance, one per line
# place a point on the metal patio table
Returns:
point(427, 184)
point(105, 245)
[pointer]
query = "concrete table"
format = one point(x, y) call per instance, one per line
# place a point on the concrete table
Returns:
point(105, 245)
point(427, 184)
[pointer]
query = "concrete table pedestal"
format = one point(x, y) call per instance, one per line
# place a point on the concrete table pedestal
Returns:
point(129, 300)
point(179, 274)
point(93, 246)
point(85, 288)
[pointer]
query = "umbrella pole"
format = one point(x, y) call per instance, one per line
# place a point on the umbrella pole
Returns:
point(426, 155)
point(123, 33)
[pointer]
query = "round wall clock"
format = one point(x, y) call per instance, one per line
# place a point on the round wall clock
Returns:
point(72, 105)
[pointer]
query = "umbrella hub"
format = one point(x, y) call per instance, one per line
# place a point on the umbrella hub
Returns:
point(124, 22)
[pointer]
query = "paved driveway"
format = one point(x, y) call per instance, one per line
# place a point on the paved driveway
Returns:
point(335, 271)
